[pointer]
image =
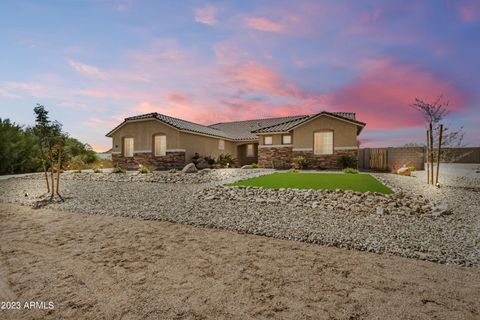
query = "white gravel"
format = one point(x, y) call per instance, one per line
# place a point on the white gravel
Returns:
point(452, 238)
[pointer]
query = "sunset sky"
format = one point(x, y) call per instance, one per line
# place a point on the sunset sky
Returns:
point(93, 63)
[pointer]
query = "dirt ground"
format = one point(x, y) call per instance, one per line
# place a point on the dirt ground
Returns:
point(104, 267)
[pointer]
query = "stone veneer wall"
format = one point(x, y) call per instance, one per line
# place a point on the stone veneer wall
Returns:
point(147, 159)
point(326, 161)
point(275, 157)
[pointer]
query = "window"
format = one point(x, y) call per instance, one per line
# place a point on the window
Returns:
point(323, 142)
point(221, 144)
point(287, 139)
point(160, 145)
point(128, 147)
point(250, 151)
point(268, 140)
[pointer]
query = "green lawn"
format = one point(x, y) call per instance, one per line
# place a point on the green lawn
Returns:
point(356, 182)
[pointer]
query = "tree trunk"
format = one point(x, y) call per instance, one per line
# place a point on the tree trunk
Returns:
point(52, 177)
point(59, 167)
point(427, 157)
point(431, 153)
point(46, 176)
point(439, 153)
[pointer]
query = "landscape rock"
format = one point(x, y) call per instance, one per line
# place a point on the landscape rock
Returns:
point(247, 166)
point(202, 164)
point(190, 168)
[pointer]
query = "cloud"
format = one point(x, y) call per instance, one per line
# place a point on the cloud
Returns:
point(381, 95)
point(264, 24)
point(469, 12)
point(87, 70)
point(206, 15)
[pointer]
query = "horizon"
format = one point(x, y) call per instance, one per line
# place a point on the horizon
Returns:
point(94, 63)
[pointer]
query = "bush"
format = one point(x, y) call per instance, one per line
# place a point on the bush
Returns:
point(143, 169)
point(254, 165)
point(90, 157)
point(411, 168)
point(77, 171)
point(196, 158)
point(350, 170)
point(210, 160)
point(300, 162)
point(226, 160)
point(119, 170)
point(172, 170)
point(96, 170)
point(347, 162)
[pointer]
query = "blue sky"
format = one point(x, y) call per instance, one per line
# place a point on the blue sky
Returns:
point(92, 63)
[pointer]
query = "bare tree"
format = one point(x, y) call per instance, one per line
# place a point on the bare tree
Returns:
point(440, 138)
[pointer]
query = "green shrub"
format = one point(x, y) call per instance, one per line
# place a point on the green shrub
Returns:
point(90, 157)
point(254, 165)
point(210, 160)
point(173, 170)
point(119, 170)
point(143, 169)
point(96, 170)
point(300, 162)
point(196, 158)
point(347, 162)
point(411, 168)
point(226, 160)
point(350, 170)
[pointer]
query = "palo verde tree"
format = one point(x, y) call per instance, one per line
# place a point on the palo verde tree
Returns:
point(51, 140)
point(439, 137)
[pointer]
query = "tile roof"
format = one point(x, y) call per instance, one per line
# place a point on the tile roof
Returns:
point(289, 125)
point(239, 130)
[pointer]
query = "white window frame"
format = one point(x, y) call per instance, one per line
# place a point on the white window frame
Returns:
point(160, 145)
point(128, 150)
point(221, 144)
point(285, 136)
point(268, 140)
point(250, 152)
point(318, 149)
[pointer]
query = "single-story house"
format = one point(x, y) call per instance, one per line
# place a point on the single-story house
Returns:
point(162, 142)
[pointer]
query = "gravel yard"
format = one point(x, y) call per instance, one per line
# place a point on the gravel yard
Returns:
point(451, 238)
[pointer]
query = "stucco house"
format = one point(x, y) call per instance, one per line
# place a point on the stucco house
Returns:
point(162, 142)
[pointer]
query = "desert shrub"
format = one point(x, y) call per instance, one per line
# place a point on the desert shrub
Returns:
point(300, 162)
point(119, 170)
point(411, 168)
point(347, 162)
point(96, 170)
point(254, 165)
point(172, 170)
point(90, 157)
point(350, 170)
point(196, 158)
point(143, 169)
point(226, 160)
point(210, 160)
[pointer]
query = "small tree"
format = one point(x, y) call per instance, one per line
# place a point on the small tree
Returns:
point(51, 140)
point(439, 136)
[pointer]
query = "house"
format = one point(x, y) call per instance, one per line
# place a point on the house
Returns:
point(162, 142)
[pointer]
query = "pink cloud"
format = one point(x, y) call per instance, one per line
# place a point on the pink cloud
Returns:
point(206, 14)
point(252, 76)
point(469, 12)
point(87, 70)
point(382, 94)
point(264, 24)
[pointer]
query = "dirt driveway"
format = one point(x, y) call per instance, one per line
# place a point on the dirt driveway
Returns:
point(104, 267)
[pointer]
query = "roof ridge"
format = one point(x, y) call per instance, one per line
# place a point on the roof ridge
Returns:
point(156, 114)
point(304, 117)
point(260, 119)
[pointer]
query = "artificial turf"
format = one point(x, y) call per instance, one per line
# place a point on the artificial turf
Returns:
point(356, 182)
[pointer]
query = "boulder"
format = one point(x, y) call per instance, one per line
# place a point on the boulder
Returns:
point(189, 168)
point(441, 209)
point(246, 167)
point(403, 171)
point(202, 164)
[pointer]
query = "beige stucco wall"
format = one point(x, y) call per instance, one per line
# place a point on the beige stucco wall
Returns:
point(204, 146)
point(276, 139)
point(345, 133)
point(142, 132)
